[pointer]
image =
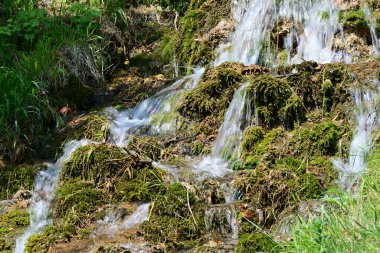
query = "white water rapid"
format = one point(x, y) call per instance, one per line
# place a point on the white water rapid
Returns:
point(367, 118)
point(42, 195)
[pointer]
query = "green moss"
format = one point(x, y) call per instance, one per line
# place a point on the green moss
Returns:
point(14, 178)
point(12, 224)
point(41, 242)
point(354, 21)
point(209, 101)
point(92, 126)
point(319, 140)
point(146, 146)
point(256, 242)
point(273, 101)
point(143, 188)
point(171, 221)
point(77, 201)
point(98, 162)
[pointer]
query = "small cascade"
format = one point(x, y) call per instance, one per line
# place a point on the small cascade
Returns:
point(366, 114)
point(130, 121)
point(42, 196)
point(314, 24)
point(139, 216)
point(227, 143)
point(374, 37)
point(223, 220)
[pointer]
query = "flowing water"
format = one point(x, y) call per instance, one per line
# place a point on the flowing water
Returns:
point(42, 196)
point(226, 146)
point(127, 122)
point(374, 37)
point(367, 118)
point(312, 27)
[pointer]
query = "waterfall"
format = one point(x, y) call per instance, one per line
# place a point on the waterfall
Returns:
point(314, 25)
point(366, 114)
point(374, 37)
point(130, 121)
point(230, 134)
point(42, 195)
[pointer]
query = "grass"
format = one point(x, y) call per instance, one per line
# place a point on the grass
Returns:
point(347, 223)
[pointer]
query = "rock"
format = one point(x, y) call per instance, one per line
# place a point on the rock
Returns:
point(22, 195)
point(345, 5)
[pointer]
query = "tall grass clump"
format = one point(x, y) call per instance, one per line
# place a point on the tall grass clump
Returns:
point(347, 223)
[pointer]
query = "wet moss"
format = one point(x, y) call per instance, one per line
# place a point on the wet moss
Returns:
point(255, 242)
point(273, 189)
point(354, 21)
point(92, 126)
point(207, 103)
point(77, 201)
point(147, 146)
point(14, 178)
point(12, 224)
point(274, 103)
point(99, 162)
point(176, 218)
point(143, 188)
point(41, 242)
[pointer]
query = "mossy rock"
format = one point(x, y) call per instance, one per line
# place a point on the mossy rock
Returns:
point(93, 126)
point(77, 201)
point(256, 242)
point(274, 103)
point(14, 178)
point(144, 187)
point(100, 162)
point(42, 241)
point(147, 146)
point(273, 189)
point(171, 222)
point(12, 224)
point(354, 21)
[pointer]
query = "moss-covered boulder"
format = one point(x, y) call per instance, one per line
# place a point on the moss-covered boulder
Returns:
point(272, 189)
point(176, 218)
point(274, 103)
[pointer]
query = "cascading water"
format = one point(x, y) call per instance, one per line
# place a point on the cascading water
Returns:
point(374, 37)
point(229, 137)
point(42, 196)
point(126, 122)
point(366, 114)
point(314, 24)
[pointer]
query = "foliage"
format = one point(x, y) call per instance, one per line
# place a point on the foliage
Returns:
point(14, 178)
point(12, 223)
point(347, 223)
point(256, 242)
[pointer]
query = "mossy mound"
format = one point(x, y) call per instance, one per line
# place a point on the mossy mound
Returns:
point(93, 126)
point(256, 242)
point(100, 162)
point(147, 146)
point(273, 189)
point(176, 218)
point(274, 103)
point(207, 103)
point(12, 224)
point(77, 201)
point(41, 242)
point(354, 21)
point(14, 178)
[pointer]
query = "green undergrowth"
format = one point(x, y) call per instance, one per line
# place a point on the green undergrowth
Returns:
point(12, 224)
point(14, 178)
point(347, 223)
point(177, 218)
point(92, 126)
